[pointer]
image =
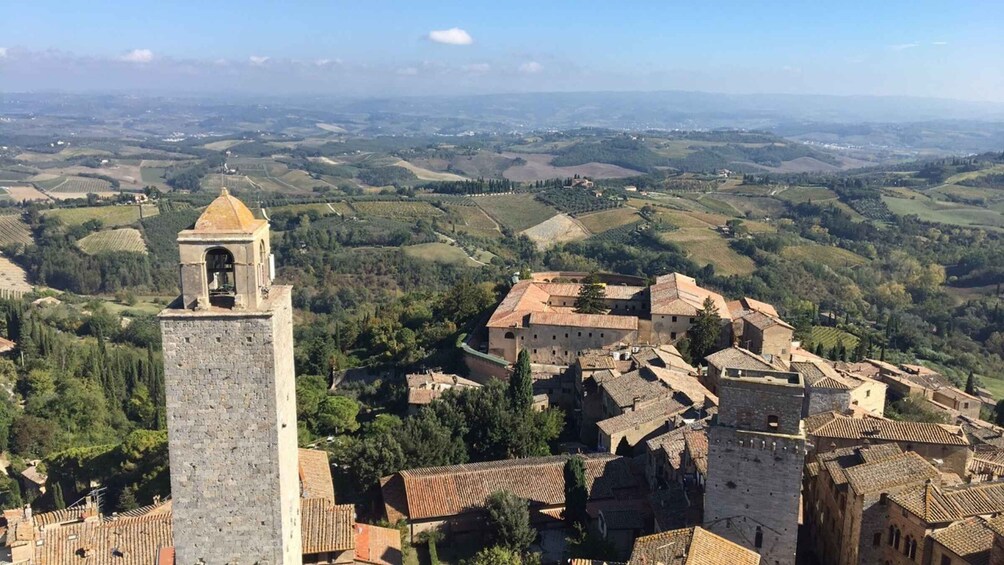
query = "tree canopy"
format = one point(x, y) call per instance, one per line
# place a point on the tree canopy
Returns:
point(705, 331)
point(591, 296)
point(509, 521)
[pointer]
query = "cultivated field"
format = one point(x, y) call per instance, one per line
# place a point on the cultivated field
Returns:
point(13, 230)
point(830, 336)
point(598, 222)
point(944, 212)
point(108, 215)
point(13, 277)
point(77, 185)
point(800, 194)
point(324, 209)
point(515, 211)
point(555, 230)
point(538, 167)
point(153, 175)
point(472, 220)
point(705, 246)
point(397, 210)
point(426, 174)
point(124, 239)
point(22, 192)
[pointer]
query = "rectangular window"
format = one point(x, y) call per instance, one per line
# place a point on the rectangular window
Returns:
point(672, 335)
point(877, 539)
point(674, 318)
point(580, 334)
point(946, 560)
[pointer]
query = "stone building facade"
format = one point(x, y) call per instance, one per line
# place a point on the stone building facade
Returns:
point(756, 450)
point(231, 400)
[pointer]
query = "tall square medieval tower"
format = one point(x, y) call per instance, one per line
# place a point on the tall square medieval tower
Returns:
point(756, 451)
point(231, 400)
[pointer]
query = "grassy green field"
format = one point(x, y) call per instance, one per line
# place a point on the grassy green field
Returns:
point(945, 212)
point(800, 194)
point(13, 230)
point(110, 216)
point(81, 185)
point(833, 257)
point(829, 337)
point(707, 246)
point(439, 253)
point(472, 220)
point(599, 222)
point(324, 209)
point(516, 211)
point(123, 239)
point(995, 386)
point(719, 206)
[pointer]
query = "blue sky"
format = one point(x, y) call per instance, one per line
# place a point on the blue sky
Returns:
point(372, 48)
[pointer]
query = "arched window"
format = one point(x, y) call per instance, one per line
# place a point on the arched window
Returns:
point(890, 535)
point(509, 335)
point(220, 277)
point(758, 540)
point(913, 549)
point(895, 539)
point(906, 545)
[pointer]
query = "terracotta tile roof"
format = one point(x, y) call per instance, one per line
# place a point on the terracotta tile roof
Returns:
point(997, 524)
point(840, 427)
point(672, 444)
point(381, 546)
point(6, 345)
point(576, 561)
point(945, 504)
point(662, 410)
point(696, 441)
point(315, 475)
point(227, 214)
point(594, 360)
point(573, 319)
point(890, 473)
point(971, 539)
point(738, 358)
point(757, 306)
point(762, 321)
point(684, 384)
point(611, 291)
point(641, 385)
point(677, 294)
point(820, 375)
point(122, 541)
point(927, 503)
point(165, 556)
point(325, 526)
point(434, 492)
point(689, 546)
point(523, 298)
point(836, 462)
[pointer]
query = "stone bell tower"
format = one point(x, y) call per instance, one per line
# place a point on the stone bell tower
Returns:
point(231, 399)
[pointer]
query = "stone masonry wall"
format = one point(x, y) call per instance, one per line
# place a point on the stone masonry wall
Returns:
point(231, 409)
point(754, 480)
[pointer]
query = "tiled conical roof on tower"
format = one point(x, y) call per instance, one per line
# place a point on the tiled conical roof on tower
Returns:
point(227, 214)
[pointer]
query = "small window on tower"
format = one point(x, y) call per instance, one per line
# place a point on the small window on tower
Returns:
point(772, 422)
point(758, 539)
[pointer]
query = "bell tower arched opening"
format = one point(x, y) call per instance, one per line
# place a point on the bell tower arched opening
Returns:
point(220, 277)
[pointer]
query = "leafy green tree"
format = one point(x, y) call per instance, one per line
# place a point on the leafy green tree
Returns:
point(497, 555)
point(509, 521)
point(427, 442)
point(521, 383)
point(10, 493)
point(591, 296)
point(464, 301)
point(576, 492)
point(337, 414)
point(375, 458)
point(705, 331)
point(32, 436)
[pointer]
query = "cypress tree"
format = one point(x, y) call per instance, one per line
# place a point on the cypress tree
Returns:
point(521, 384)
point(57, 496)
point(971, 384)
point(576, 494)
point(704, 332)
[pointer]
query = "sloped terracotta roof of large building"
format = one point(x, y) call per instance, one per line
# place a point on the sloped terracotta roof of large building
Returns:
point(662, 410)
point(833, 425)
point(684, 384)
point(936, 504)
point(523, 298)
point(690, 546)
point(435, 492)
point(326, 527)
point(821, 375)
point(574, 319)
point(676, 294)
point(739, 358)
point(971, 539)
point(122, 541)
point(315, 475)
point(227, 214)
point(696, 441)
point(890, 473)
point(762, 321)
point(641, 385)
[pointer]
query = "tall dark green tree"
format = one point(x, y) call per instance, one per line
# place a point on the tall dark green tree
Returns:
point(57, 497)
point(591, 295)
point(971, 384)
point(521, 384)
point(999, 413)
point(509, 521)
point(705, 331)
point(576, 493)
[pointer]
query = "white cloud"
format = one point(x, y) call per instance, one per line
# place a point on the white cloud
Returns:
point(939, 43)
point(903, 46)
point(408, 71)
point(137, 56)
point(477, 68)
point(327, 62)
point(531, 67)
point(258, 59)
point(452, 36)
point(3, 52)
